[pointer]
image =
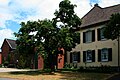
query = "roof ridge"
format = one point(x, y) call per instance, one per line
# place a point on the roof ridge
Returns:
point(91, 10)
point(111, 6)
point(10, 39)
point(8, 42)
point(98, 14)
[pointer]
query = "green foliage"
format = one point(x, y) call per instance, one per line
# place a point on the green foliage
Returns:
point(112, 29)
point(66, 14)
point(21, 62)
point(6, 63)
point(67, 38)
point(45, 36)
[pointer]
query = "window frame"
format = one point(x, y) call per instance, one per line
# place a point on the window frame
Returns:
point(109, 52)
point(89, 36)
point(100, 34)
point(88, 55)
point(75, 57)
point(75, 54)
point(104, 52)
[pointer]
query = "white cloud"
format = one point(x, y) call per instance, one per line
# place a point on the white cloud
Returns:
point(24, 10)
point(5, 33)
point(106, 3)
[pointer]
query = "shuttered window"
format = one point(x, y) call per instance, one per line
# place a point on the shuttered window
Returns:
point(105, 54)
point(75, 57)
point(89, 36)
point(89, 56)
point(100, 33)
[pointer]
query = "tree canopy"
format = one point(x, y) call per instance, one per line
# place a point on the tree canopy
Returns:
point(46, 36)
point(112, 29)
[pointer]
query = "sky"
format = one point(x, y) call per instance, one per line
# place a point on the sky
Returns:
point(13, 12)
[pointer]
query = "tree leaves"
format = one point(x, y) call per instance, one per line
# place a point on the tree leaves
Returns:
point(45, 36)
point(112, 29)
point(66, 14)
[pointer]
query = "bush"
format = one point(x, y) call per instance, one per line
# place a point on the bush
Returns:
point(101, 69)
point(21, 62)
point(11, 65)
point(6, 64)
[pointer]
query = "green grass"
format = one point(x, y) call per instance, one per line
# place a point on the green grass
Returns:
point(46, 75)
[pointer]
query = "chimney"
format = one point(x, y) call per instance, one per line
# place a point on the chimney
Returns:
point(96, 5)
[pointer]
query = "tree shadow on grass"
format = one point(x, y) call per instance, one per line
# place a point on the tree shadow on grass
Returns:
point(32, 73)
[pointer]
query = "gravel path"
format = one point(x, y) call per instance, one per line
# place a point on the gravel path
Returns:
point(7, 79)
point(11, 70)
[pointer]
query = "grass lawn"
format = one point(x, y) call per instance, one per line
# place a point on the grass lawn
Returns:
point(38, 75)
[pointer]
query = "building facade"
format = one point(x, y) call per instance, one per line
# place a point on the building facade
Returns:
point(7, 50)
point(94, 49)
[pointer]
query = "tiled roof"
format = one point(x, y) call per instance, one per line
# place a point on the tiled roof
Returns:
point(12, 43)
point(98, 14)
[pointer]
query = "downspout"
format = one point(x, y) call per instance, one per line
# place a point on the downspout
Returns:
point(118, 53)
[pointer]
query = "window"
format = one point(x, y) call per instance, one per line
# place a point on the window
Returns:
point(75, 57)
point(101, 34)
point(89, 56)
point(105, 54)
point(89, 36)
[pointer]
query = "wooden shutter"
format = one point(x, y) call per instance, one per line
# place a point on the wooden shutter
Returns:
point(84, 56)
point(84, 37)
point(98, 35)
point(93, 55)
point(93, 35)
point(79, 38)
point(70, 57)
point(78, 53)
point(110, 54)
point(99, 55)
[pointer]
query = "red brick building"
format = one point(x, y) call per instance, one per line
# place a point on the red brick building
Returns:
point(7, 49)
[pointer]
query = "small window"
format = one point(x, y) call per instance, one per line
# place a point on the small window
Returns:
point(89, 56)
point(101, 34)
point(75, 57)
point(104, 55)
point(89, 36)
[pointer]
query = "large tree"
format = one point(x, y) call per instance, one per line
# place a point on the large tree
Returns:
point(46, 36)
point(112, 29)
point(68, 23)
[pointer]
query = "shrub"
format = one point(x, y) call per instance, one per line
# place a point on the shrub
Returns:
point(6, 64)
point(21, 62)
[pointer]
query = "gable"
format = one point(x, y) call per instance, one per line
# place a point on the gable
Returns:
point(11, 43)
